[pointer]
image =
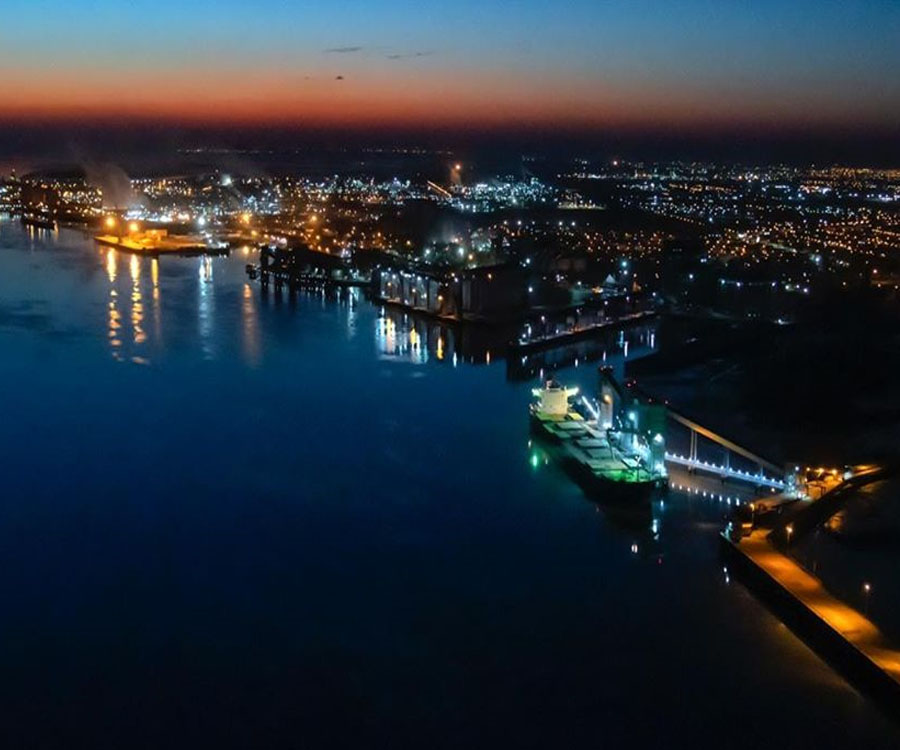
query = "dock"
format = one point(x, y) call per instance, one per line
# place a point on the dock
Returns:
point(844, 637)
point(301, 266)
point(301, 279)
point(538, 343)
point(165, 246)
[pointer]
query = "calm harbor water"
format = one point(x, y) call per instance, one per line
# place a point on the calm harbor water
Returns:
point(254, 521)
point(859, 547)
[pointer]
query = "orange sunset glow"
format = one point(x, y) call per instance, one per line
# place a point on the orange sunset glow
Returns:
point(387, 98)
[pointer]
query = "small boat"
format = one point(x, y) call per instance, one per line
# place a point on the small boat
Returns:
point(601, 461)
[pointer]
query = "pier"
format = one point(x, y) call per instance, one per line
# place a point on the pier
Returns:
point(765, 474)
point(848, 640)
point(301, 266)
point(165, 245)
point(292, 280)
point(577, 333)
point(726, 472)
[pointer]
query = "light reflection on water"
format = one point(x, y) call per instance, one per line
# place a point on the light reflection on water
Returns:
point(250, 325)
point(261, 511)
point(137, 307)
point(154, 280)
point(206, 306)
point(115, 318)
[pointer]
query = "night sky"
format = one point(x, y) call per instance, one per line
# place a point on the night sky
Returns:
point(679, 65)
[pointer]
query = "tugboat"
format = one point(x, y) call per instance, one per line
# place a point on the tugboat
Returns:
point(612, 464)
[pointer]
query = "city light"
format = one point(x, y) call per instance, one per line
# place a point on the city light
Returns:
point(315, 433)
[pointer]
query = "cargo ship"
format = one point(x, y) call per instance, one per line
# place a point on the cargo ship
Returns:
point(611, 464)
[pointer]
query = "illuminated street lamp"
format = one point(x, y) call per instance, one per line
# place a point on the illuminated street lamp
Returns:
point(867, 590)
point(789, 529)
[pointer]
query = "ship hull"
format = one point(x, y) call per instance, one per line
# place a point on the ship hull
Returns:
point(599, 487)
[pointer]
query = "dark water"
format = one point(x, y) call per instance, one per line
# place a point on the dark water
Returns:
point(856, 553)
point(232, 520)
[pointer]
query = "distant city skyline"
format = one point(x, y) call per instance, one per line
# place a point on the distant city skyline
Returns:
point(689, 66)
point(468, 374)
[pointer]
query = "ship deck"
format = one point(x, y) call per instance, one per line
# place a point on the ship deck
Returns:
point(588, 445)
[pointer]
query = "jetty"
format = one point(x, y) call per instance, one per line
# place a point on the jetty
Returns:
point(843, 636)
point(160, 244)
point(576, 333)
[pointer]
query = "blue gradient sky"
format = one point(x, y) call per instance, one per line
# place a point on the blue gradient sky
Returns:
point(690, 63)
